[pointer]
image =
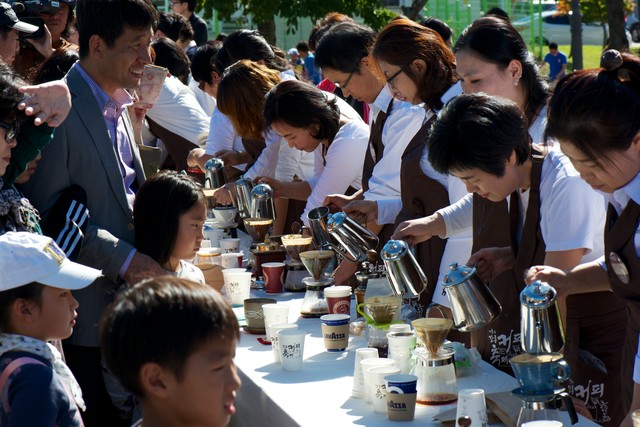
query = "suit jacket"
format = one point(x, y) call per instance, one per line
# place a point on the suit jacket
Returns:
point(82, 153)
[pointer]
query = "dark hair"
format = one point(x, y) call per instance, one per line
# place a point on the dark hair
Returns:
point(4, 31)
point(248, 44)
point(343, 46)
point(175, 26)
point(108, 19)
point(56, 66)
point(598, 110)
point(553, 45)
point(160, 201)
point(192, 5)
point(497, 42)
point(202, 61)
point(402, 41)
point(302, 46)
point(10, 97)
point(221, 36)
point(323, 25)
point(498, 13)
point(31, 292)
point(300, 104)
point(438, 26)
point(169, 55)
point(478, 131)
point(162, 320)
point(241, 96)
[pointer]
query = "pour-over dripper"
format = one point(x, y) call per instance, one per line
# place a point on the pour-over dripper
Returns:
point(294, 244)
point(432, 331)
point(318, 262)
point(381, 309)
point(258, 228)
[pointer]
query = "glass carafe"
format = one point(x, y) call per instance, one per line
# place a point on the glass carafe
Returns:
point(436, 377)
point(539, 411)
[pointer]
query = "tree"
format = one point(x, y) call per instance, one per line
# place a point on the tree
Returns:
point(413, 11)
point(263, 12)
point(604, 12)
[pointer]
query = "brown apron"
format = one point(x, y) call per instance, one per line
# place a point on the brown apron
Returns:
point(422, 196)
point(374, 153)
point(619, 242)
point(500, 341)
point(177, 146)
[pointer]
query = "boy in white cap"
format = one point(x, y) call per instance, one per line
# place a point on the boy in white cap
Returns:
point(36, 306)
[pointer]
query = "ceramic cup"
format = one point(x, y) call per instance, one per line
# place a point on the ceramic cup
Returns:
point(273, 275)
point(254, 314)
point(225, 214)
point(335, 331)
point(338, 299)
point(539, 373)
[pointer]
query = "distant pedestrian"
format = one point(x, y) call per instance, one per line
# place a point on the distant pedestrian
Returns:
point(312, 73)
point(557, 62)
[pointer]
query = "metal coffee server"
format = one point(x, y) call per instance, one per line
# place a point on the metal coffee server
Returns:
point(354, 240)
point(403, 270)
point(242, 199)
point(262, 202)
point(214, 173)
point(473, 305)
point(540, 326)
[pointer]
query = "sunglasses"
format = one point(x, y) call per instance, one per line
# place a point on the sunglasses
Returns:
point(12, 129)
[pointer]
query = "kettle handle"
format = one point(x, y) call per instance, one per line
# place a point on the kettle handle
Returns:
point(437, 307)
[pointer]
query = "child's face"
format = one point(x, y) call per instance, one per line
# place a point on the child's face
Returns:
point(206, 393)
point(55, 317)
point(190, 232)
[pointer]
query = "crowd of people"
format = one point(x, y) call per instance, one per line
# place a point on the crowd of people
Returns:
point(454, 143)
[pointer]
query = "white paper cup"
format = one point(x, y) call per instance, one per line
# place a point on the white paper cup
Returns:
point(238, 286)
point(274, 313)
point(378, 386)
point(543, 423)
point(230, 245)
point(358, 378)
point(231, 260)
point(471, 404)
point(401, 344)
point(291, 349)
point(370, 363)
point(275, 341)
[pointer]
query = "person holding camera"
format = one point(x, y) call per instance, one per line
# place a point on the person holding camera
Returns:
point(56, 16)
point(10, 29)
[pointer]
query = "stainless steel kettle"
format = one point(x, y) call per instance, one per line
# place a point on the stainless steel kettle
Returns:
point(242, 200)
point(214, 173)
point(404, 273)
point(318, 218)
point(540, 324)
point(262, 202)
point(354, 240)
point(473, 305)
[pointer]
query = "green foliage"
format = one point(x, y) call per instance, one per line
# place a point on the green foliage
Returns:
point(593, 10)
point(371, 11)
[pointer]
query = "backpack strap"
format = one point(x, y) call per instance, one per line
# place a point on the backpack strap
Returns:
point(10, 369)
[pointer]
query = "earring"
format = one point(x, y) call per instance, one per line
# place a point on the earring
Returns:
point(515, 82)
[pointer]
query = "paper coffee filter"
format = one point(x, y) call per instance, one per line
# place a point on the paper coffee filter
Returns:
point(294, 244)
point(432, 332)
point(316, 262)
point(258, 228)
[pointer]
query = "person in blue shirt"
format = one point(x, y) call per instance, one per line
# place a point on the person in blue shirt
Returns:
point(557, 62)
point(312, 73)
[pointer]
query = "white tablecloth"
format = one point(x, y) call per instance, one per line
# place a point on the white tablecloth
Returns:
point(320, 394)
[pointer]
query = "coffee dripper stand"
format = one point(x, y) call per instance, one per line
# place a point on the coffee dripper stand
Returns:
point(434, 364)
point(295, 270)
point(320, 264)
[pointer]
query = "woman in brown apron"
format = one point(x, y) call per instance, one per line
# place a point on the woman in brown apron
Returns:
point(423, 71)
point(594, 115)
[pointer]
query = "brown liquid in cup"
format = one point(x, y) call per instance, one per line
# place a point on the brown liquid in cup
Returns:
point(437, 399)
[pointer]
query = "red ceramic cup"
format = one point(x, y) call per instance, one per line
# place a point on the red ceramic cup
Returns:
point(338, 299)
point(273, 273)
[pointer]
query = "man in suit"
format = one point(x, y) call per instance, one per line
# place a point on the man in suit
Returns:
point(95, 149)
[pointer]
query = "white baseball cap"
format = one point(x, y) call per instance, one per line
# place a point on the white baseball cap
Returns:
point(28, 257)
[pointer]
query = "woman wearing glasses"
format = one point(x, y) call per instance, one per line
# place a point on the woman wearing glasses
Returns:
point(419, 68)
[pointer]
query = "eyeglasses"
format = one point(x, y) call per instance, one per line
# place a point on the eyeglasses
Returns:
point(13, 129)
point(394, 75)
point(346, 82)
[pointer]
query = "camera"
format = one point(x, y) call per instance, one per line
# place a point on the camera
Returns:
point(29, 11)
